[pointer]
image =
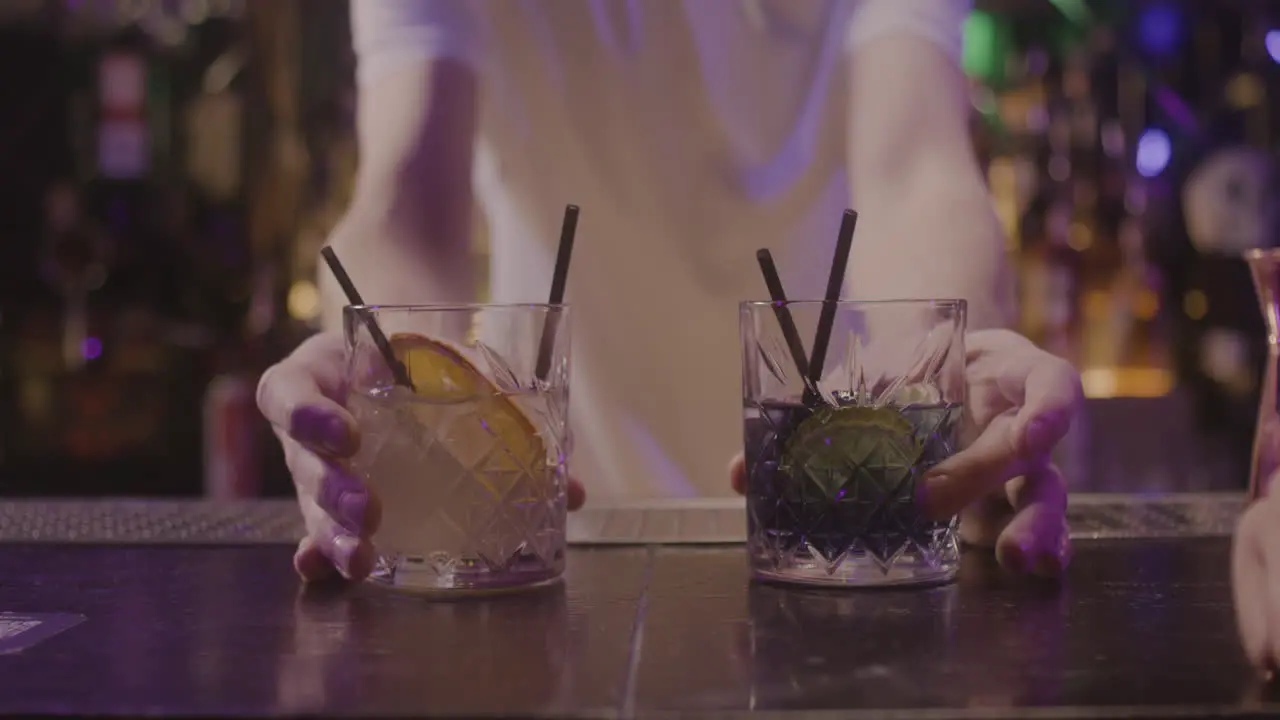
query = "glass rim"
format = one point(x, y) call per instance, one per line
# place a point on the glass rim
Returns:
point(957, 303)
point(453, 307)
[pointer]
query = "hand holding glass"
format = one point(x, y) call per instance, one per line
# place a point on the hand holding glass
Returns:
point(832, 469)
point(470, 461)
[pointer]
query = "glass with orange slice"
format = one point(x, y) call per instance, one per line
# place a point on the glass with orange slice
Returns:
point(465, 442)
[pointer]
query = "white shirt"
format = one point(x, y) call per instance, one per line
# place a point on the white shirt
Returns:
point(691, 133)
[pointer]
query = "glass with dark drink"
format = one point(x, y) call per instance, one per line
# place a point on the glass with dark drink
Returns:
point(834, 457)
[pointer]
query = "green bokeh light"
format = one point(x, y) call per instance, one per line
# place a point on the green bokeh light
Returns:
point(988, 40)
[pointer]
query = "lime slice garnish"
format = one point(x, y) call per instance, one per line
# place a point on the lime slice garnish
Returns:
point(839, 446)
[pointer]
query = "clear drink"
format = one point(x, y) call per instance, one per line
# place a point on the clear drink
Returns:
point(462, 507)
point(469, 463)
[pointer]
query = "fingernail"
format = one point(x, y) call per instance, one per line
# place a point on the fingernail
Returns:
point(311, 565)
point(337, 436)
point(1046, 565)
point(1039, 435)
point(925, 498)
point(351, 509)
point(1015, 559)
point(344, 547)
point(315, 427)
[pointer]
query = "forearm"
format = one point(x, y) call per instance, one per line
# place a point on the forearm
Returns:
point(394, 259)
point(926, 226)
point(933, 239)
point(406, 238)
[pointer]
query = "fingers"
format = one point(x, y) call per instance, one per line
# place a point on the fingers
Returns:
point(974, 472)
point(1036, 539)
point(293, 403)
point(1255, 583)
point(1045, 388)
point(311, 564)
point(1026, 524)
point(1248, 585)
point(1270, 580)
point(1015, 442)
point(982, 522)
point(1051, 399)
point(576, 495)
point(333, 489)
point(738, 474)
point(328, 548)
point(302, 396)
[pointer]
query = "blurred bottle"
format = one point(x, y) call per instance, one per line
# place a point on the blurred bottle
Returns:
point(235, 435)
point(76, 260)
point(1225, 201)
point(1265, 267)
point(232, 451)
point(1050, 265)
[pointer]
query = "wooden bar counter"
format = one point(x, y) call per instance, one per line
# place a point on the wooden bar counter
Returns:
point(191, 609)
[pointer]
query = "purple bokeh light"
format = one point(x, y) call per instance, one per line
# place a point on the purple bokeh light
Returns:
point(91, 348)
point(1272, 41)
point(1154, 152)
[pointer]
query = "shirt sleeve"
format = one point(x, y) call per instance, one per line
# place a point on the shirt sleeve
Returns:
point(388, 34)
point(939, 21)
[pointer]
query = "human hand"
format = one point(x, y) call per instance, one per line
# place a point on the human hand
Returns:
point(1021, 401)
point(1255, 581)
point(303, 396)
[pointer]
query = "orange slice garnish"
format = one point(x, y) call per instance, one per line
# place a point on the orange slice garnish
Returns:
point(497, 441)
point(439, 372)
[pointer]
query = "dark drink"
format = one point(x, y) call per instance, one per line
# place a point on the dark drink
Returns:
point(836, 448)
point(830, 492)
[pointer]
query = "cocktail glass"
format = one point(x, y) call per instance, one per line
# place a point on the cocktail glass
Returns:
point(833, 466)
point(469, 462)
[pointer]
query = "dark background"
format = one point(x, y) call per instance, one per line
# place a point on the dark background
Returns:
point(1090, 116)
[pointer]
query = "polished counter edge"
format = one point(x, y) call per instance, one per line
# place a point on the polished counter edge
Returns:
point(703, 521)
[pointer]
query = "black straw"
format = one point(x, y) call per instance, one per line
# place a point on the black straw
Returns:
point(788, 324)
point(835, 282)
point(559, 278)
point(353, 297)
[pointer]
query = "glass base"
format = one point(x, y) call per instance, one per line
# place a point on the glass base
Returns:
point(451, 579)
point(855, 572)
point(855, 577)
